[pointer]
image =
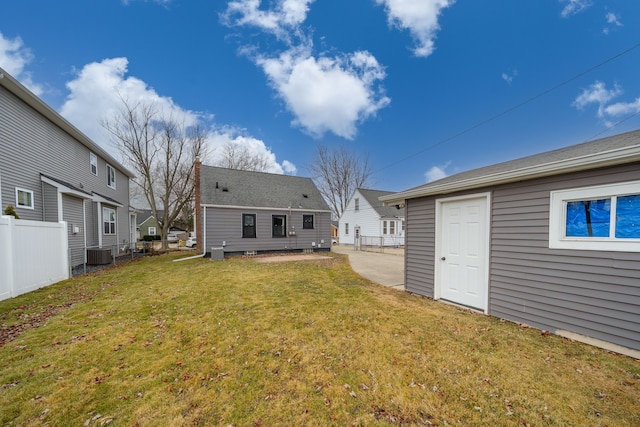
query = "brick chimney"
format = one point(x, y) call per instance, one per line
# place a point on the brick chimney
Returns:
point(198, 213)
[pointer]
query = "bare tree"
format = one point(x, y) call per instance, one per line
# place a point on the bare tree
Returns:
point(161, 150)
point(237, 156)
point(337, 173)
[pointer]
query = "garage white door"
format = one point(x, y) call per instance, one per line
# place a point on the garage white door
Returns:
point(463, 247)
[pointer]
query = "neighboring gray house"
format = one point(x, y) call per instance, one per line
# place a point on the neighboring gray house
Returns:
point(550, 240)
point(50, 171)
point(375, 223)
point(255, 212)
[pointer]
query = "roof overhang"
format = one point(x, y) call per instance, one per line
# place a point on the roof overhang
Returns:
point(629, 154)
point(65, 188)
point(104, 199)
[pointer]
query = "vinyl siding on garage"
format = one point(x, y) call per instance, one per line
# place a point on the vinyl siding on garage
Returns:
point(420, 246)
point(593, 293)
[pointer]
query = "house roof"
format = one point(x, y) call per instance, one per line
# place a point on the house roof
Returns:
point(614, 150)
point(238, 188)
point(384, 211)
point(16, 88)
point(145, 214)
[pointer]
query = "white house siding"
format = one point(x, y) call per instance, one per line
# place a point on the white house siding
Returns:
point(365, 217)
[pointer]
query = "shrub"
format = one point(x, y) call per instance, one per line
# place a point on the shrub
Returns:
point(10, 210)
point(148, 238)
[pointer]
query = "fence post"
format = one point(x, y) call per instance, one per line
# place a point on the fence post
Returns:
point(8, 259)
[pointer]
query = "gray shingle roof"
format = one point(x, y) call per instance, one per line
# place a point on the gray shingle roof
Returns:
point(230, 187)
point(613, 150)
point(384, 211)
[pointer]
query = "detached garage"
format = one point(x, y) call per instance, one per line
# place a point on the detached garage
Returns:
point(550, 240)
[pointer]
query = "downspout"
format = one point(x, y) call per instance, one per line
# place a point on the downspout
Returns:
point(198, 216)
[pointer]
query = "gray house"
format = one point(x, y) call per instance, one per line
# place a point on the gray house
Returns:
point(254, 212)
point(551, 240)
point(50, 171)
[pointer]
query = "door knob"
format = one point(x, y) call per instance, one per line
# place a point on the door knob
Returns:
point(443, 258)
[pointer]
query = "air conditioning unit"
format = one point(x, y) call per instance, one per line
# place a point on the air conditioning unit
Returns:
point(99, 256)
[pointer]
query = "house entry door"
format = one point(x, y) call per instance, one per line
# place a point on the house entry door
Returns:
point(462, 256)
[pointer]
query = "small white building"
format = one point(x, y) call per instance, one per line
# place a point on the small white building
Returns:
point(366, 218)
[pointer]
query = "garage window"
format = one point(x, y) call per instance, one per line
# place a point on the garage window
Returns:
point(603, 218)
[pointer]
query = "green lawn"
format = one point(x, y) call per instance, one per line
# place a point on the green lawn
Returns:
point(241, 343)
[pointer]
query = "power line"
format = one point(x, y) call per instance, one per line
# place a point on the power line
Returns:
point(517, 106)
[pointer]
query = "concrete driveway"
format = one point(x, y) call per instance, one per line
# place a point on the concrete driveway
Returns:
point(384, 268)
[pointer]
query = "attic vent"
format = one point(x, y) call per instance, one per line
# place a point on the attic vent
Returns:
point(306, 196)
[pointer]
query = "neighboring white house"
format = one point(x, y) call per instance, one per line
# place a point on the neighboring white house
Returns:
point(376, 225)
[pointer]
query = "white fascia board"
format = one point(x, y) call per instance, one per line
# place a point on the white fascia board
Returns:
point(608, 158)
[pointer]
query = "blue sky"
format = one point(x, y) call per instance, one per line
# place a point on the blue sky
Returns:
point(418, 86)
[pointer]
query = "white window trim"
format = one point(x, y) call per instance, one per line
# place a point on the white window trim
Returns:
point(24, 190)
point(558, 212)
point(93, 163)
point(104, 220)
point(113, 184)
point(152, 231)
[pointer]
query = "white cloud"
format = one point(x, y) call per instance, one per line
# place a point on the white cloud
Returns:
point(613, 21)
point(420, 17)
point(289, 168)
point(286, 16)
point(228, 135)
point(573, 7)
point(609, 112)
point(598, 94)
point(96, 91)
point(436, 172)
point(14, 57)
point(508, 77)
point(622, 108)
point(327, 94)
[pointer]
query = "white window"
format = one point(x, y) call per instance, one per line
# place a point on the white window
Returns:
point(357, 204)
point(346, 228)
point(111, 177)
point(392, 227)
point(152, 231)
point(604, 218)
point(24, 198)
point(384, 227)
point(109, 221)
point(93, 163)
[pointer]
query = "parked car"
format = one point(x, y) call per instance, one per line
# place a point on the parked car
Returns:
point(172, 237)
point(191, 242)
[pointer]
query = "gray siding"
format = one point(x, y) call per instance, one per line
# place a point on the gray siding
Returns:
point(592, 293)
point(49, 203)
point(225, 225)
point(92, 223)
point(73, 215)
point(420, 246)
point(32, 145)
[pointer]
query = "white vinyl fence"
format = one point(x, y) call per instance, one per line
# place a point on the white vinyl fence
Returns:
point(33, 254)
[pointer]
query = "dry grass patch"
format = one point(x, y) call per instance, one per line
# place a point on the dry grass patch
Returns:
point(304, 343)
